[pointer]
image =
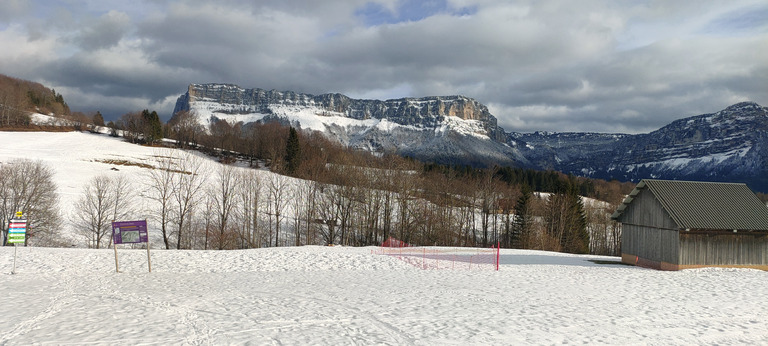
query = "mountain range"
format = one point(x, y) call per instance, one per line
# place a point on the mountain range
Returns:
point(729, 145)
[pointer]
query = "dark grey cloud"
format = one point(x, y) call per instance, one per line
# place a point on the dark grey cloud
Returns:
point(105, 32)
point(11, 9)
point(539, 65)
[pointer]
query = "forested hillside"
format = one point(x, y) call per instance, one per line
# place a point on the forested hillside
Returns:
point(19, 97)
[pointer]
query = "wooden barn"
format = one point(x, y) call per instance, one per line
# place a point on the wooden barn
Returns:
point(673, 225)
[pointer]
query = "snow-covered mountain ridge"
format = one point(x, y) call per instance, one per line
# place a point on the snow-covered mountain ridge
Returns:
point(729, 145)
point(455, 129)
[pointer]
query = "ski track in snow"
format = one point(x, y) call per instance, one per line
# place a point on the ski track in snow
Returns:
point(342, 295)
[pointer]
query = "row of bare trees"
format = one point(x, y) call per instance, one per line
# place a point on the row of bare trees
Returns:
point(352, 198)
point(195, 205)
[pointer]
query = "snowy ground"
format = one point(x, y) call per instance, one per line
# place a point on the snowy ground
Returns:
point(341, 295)
point(78, 157)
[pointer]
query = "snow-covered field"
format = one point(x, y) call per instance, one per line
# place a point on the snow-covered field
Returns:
point(342, 296)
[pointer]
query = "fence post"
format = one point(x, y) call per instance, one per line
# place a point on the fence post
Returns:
point(498, 252)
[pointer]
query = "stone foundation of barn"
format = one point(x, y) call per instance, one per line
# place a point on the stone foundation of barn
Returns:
point(646, 263)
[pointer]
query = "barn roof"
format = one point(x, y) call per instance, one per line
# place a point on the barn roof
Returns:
point(705, 205)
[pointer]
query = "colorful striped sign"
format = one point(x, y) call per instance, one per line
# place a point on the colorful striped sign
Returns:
point(17, 231)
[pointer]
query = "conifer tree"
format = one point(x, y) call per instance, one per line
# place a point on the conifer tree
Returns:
point(153, 128)
point(522, 223)
point(292, 152)
point(98, 119)
point(566, 222)
point(577, 239)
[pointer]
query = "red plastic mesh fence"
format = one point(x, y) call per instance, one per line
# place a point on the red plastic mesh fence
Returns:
point(444, 258)
point(392, 242)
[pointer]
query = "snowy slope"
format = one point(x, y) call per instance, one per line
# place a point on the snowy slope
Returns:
point(78, 157)
point(75, 157)
point(339, 295)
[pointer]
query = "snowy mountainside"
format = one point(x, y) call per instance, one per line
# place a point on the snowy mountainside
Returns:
point(729, 145)
point(547, 150)
point(447, 129)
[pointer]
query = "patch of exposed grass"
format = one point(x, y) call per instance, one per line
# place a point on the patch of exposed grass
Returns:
point(137, 164)
point(125, 163)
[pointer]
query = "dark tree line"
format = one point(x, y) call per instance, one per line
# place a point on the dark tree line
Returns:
point(142, 127)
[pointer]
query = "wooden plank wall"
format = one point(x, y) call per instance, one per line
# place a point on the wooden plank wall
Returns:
point(648, 231)
point(647, 211)
point(659, 245)
point(723, 249)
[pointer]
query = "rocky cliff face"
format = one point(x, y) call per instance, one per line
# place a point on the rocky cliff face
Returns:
point(427, 111)
point(446, 129)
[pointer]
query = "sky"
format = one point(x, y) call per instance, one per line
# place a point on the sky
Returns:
point(599, 66)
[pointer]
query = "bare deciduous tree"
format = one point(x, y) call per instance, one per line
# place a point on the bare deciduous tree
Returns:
point(104, 199)
point(132, 125)
point(308, 210)
point(604, 233)
point(277, 193)
point(328, 211)
point(250, 203)
point(189, 183)
point(185, 128)
point(161, 189)
point(27, 186)
point(223, 199)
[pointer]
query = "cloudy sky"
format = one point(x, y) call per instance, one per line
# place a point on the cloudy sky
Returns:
point(607, 66)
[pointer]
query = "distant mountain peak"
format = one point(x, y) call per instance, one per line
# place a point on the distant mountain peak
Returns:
point(743, 105)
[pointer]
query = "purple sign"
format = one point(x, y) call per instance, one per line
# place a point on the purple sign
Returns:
point(125, 232)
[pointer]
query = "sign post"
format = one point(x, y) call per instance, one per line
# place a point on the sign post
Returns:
point(130, 232)
point(17, 233)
